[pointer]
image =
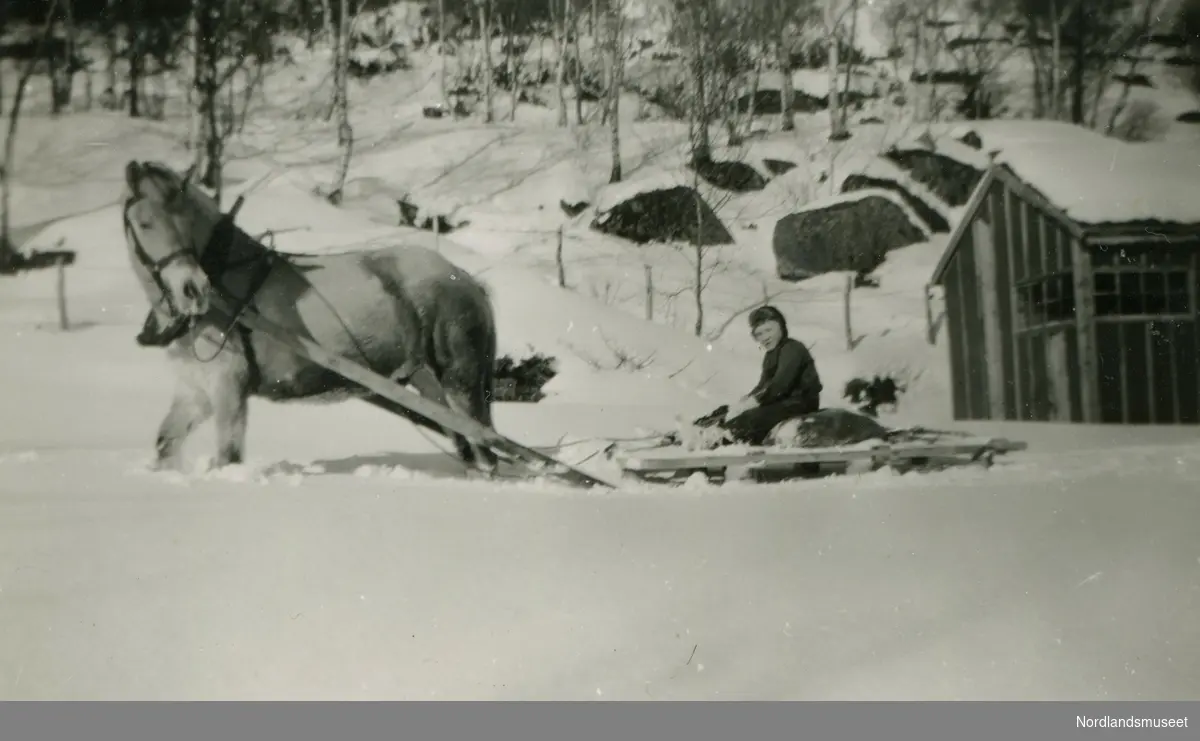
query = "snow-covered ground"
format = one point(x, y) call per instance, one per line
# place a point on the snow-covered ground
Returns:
point(349, 558)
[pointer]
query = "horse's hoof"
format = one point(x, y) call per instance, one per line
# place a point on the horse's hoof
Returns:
point(165, 465)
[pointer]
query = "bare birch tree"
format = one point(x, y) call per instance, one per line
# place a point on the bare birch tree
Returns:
point(8, 251)
point(488, 71)
point(616, 70)
point(560, 13)
point(835, 14)
point(345, 132)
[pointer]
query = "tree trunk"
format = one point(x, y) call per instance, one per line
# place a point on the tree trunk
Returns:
point(485, 39)
point(559, 19)
point(335, 42)
point(112, 52)
point(578, 58)
point(701, 144)
point(510, 62)
point(1035, 62)
point(72, 42)
point(616, 65)
point(755, 82)
point(934, 52)
point(210, 92)
point(8, 252)
point(698, 252)
point(345, 130)
point(62, 72)
point(134, 50)
point(442, 52)
point(54, 73)
point(1055, 62)
point(1079, 69)
point(837, 124)
point(850, 61)
point(786, 95)
point(196, 98)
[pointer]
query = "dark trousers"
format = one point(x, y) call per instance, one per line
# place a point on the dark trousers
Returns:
point(752, 426)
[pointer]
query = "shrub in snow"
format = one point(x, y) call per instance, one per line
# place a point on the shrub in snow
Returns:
point(950, 180)
point(850, 233)
point(523, 380)
point(421, 216)
point(870, 395)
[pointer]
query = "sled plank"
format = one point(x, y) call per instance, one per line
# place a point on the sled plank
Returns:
point(673, 458)
point(395, 393)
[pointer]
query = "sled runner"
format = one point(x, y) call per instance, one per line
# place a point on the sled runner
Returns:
point(913, 449)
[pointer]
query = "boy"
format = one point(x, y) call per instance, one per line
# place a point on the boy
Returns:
point(789, 386)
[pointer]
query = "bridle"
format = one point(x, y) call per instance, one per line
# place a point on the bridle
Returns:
point(154, 267)
point(213, 261)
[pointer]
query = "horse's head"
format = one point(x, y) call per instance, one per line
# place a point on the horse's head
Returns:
point(168, 224)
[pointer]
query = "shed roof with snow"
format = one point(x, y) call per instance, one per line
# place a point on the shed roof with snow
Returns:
point(1097, 188)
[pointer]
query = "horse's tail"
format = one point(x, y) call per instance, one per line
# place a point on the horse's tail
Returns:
point(489, 351)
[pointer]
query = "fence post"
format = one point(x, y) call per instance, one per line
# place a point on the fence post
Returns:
point(846, 311)
point(437, 231)
point(649, 291)
point(558, 260)
point(64, 322)
point(930, 332)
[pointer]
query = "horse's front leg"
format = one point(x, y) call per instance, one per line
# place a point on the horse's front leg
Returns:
point(231, 404)
point(189, 409)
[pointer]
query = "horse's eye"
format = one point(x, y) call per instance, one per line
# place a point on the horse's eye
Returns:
point(145, 225)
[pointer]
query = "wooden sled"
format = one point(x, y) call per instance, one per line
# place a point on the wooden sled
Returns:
point(657, 462)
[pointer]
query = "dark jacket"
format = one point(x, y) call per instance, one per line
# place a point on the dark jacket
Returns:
point(789, 375)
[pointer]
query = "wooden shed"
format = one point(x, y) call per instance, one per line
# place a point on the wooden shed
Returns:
point(1071, 285)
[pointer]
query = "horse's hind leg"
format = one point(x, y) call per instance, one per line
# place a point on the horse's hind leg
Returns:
point(431, 388)
point(189, 409)
point(449, 396)
point(475, 406)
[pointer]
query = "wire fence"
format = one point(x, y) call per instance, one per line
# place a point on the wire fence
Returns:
point(660, 279)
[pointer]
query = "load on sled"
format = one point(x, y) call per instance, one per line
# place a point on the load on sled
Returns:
point(780, 430)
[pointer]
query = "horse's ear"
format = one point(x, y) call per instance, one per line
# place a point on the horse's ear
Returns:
point(133, 176)
point(187, 179)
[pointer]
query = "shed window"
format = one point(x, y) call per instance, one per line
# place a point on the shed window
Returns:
point(1123, 291)
point(1046, 300)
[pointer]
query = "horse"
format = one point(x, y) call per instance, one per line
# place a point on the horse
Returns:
point(403, 311)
